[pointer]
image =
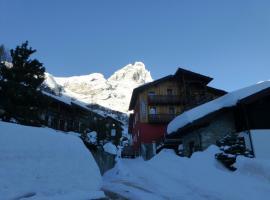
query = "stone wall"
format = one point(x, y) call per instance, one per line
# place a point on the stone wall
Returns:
point(104, 160)
point(202, 138)
point(148, 150)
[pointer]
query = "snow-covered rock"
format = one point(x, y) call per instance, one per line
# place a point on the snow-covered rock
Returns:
point(91, 137)
point(110, 148)
point(40, 163)
point(113, 93)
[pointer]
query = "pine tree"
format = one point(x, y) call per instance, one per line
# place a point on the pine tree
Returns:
point(20, 84)
point(231, 147)
point(4, 55)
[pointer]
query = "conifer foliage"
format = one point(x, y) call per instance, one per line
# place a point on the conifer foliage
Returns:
point(19, 85)
point(231, 147)
point(4, 54)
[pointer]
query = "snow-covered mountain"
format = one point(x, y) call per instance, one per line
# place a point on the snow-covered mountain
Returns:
point(113, 93)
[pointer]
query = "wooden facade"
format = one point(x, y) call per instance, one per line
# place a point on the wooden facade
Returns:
point(155, 104)
point(69, 116)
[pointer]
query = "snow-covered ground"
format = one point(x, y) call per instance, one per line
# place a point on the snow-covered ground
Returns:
point(42, 164)
point(200, 177)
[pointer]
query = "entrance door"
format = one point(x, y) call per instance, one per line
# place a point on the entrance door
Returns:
point(191, 147)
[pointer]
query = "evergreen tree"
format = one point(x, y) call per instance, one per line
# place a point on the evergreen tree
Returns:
point(4, 55)
point(20, 84)
point(231, 147)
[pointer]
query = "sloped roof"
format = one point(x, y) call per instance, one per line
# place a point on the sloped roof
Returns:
point(190, 74)
point(73, 102)
point(178, 74)
point(226, 101)
point(138, 90)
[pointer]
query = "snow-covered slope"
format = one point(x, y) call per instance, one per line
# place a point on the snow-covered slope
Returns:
point(113, 93)
point(201, 177)
point(41, 163)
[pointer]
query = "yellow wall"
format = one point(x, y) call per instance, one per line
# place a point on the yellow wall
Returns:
point(160, 89)
point(195, 94)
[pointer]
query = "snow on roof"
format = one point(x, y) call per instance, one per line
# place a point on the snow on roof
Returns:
point(64, 99)
point(227, 100)
point(68, 100)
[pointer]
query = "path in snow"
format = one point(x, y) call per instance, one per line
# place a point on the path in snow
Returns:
point(112, 195)
point(130, 190)
point(201, 177)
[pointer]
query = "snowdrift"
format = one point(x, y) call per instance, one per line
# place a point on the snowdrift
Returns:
point(40, 163)
point(168, 176)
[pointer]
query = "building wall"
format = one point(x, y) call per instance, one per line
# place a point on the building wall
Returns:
point(260, 141)
point(147, 134)
point(160, 89)
point(202, 138)
point(143, 131)
point(194, 94)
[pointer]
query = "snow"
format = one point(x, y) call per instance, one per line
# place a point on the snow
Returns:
point(51, 83)
point(201, 177)
point(260, 142)
point(8, 65)
point(92, 137)
point(43, 164)
point(65, 98)
point(228, 100)
point(113, 93)
point(110, 148)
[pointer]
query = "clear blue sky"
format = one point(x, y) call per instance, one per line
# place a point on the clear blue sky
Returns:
point(226, 39)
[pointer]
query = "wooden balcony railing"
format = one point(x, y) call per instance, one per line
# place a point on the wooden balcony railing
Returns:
point(165, 99)
point(160, 118)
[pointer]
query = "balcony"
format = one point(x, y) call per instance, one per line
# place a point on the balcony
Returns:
point(165, 99)
point(160, 118)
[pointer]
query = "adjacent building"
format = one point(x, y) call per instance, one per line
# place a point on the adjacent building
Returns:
point(66, 115)
point(156, 103)
point(244, 112)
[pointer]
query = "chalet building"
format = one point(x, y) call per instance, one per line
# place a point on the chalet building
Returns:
point(156, 103)
point(244, 113)
point(65, 115)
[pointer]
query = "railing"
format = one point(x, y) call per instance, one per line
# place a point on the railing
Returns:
point(160, 118)
point(165, 99)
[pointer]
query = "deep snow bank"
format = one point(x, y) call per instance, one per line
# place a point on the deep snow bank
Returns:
point(168, 176)
point(45, 164)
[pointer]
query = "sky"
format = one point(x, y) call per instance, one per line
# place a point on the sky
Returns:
point(227, 40)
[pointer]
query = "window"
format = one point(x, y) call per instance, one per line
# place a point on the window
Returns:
point(169, 91)
point(151, 93)
point(143, 109)
point(191, 147)
point(171, 110)
point(136, 118)
point(113, 132)
point(153, 110)
point(49, 121)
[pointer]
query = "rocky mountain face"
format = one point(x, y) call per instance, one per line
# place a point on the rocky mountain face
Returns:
point(104, 95)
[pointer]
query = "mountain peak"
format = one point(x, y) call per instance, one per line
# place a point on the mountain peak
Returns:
point(132, 72)
point(113, 93)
